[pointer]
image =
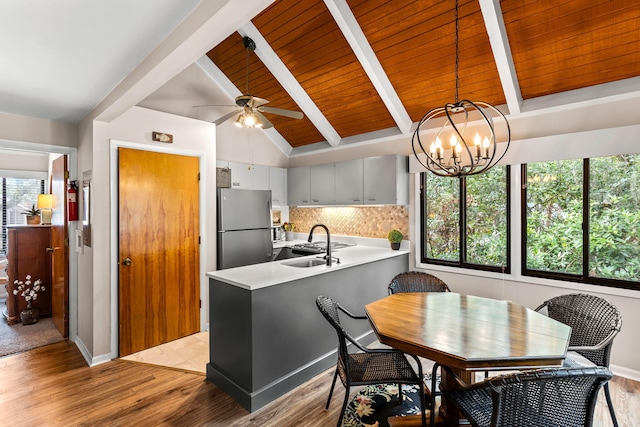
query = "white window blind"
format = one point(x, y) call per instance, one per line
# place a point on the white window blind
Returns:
point(16, 196)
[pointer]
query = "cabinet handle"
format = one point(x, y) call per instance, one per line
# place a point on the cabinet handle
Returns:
point(126, 261)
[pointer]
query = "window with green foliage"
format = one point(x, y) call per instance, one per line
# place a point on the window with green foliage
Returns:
point(582, 220)
point(473, 234)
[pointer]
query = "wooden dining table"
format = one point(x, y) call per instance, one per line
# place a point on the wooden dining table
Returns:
point(467, 334)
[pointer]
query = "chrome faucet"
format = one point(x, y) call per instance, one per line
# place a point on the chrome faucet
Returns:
point(328, 256)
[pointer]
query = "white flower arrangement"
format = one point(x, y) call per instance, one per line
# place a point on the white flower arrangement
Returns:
point(28, 290)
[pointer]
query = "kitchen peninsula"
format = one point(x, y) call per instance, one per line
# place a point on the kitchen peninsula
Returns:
point(266, 334)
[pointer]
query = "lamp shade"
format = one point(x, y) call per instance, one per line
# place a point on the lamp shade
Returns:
point(45, 201)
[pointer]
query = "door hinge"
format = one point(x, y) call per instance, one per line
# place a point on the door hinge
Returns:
point(66, 174)
point(198, 176)
point(199, 240)
point(200, 303)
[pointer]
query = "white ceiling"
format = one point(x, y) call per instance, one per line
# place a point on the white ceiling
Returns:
point(61, 58)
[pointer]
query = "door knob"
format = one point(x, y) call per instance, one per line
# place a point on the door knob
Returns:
point(126, 261)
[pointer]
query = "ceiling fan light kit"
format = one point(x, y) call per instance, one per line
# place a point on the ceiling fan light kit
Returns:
point(454, 123)
point(251, 107)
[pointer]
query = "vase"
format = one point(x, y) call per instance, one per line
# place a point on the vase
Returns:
point(33, 219)
point(29, 316)
point(288, 236)
point(395, 246)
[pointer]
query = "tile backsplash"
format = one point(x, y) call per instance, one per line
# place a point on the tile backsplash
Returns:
point(360, 221)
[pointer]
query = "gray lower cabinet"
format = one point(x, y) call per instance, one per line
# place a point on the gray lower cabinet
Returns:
point(266, 342)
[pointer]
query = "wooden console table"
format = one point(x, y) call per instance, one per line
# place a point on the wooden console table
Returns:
point(28, 253)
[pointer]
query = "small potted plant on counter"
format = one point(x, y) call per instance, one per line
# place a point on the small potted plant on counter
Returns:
point(395, 237)
point(33, 215)
point(288, 228)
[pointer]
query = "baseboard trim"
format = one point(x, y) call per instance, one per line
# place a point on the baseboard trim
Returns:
point(621, 371)
point(86, 354)
point(254, 400)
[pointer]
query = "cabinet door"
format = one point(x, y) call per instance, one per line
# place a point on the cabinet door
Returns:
point(299, 186)
point(323, 184)
point(240, 175)
point(385, 180)
point(349, 182)
point(259, 177)
point(249, 177)
point(277, 184)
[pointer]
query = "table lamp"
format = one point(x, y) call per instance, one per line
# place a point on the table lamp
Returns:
point(45, 204)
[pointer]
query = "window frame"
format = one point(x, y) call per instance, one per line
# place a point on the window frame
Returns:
point(462, 196)
point(584, 277)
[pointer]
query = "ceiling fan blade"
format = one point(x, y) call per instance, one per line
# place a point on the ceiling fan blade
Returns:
point(256, 102)
point(266, 124)
point(226, 117)
point(213, 105)
point(282, 112)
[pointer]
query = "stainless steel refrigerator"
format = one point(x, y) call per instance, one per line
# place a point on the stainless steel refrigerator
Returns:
point(244, 227)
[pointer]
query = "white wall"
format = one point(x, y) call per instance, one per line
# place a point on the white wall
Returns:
point(97, 335)
point(30, 130)
point(248, 146)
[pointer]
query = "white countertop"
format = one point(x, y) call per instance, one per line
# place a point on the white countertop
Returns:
point(273, 273)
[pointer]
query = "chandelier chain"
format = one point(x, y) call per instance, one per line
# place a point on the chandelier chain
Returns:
point(457, 53)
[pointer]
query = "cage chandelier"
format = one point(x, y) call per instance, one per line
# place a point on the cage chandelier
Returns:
point(454, 152)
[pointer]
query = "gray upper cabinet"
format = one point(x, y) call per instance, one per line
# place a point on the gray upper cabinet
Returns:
point(386, 180)
point(349, 180)
point(249, 177)
point(278, 185)
point(299, 186)
point(323, 184)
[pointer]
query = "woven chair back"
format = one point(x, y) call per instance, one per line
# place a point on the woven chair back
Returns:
point(591, 318)
point(417, 281)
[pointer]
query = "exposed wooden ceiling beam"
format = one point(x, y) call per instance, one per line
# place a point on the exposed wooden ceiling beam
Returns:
point(349, 26)
point(494, 23)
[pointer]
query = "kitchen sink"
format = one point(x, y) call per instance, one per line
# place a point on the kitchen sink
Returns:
point(305, 262)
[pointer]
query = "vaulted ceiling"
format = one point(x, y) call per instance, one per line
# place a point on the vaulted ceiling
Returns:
point(360, 69)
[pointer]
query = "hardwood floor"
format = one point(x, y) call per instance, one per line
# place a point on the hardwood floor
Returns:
point(53, 386)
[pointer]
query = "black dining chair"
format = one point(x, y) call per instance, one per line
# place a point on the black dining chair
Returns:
point(416, 281)
point(546, 397)
point(367, 366)
point(594, 324)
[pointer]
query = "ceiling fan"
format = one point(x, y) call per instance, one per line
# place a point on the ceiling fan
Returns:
point(251, 107)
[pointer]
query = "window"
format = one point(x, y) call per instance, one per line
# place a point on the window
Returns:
point(17, 195)
point(582, 220)
point(473, 234)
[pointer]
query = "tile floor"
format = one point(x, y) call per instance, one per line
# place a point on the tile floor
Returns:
point(190, 354)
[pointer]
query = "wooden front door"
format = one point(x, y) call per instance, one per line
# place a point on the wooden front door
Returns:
point(59, 247)
point(159, 267)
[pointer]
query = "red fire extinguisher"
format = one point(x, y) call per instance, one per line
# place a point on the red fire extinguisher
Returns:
point(72, 201)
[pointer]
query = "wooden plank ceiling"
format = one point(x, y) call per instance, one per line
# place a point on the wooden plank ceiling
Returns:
point(554, 48)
